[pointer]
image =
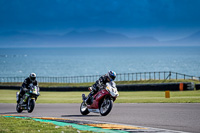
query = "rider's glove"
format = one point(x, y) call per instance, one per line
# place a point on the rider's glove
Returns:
point(101, 86)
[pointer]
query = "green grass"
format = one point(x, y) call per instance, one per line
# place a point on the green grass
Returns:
point(9, 96)
point(48, 84)
point(158, 81)
point(117, 82)
point(17, 125)
point(159, 97)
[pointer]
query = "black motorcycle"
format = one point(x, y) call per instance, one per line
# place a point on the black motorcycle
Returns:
point(27, 102)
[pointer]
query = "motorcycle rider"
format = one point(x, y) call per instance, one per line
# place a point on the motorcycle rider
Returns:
point(29, 80)
point(101, 83)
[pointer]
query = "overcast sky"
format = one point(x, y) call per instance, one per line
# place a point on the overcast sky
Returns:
point(163, 19)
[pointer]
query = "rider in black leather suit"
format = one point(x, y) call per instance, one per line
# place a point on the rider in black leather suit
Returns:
point(29, 80)
point(101, 83)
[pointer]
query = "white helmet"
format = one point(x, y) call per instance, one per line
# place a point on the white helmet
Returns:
point(111, 75)
point(32, 76)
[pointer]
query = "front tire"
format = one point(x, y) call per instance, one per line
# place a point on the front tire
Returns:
point(84, 109)
point(106, 106)
point(18, 108)
point(31, 105)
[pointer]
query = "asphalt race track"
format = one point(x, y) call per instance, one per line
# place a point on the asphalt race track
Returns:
point(170, 116)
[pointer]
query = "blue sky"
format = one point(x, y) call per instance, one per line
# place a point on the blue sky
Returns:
point(163, 19)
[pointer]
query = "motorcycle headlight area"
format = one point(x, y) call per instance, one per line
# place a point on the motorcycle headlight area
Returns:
point(112, 91)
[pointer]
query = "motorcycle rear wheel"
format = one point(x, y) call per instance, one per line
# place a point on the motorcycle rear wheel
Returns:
point(106, 107)
point(84, 109)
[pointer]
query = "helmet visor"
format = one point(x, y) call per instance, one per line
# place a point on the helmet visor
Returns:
point(33, 78)
point(112, 77)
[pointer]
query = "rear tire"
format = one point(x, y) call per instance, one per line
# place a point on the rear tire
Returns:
point(84, 109)
point(18, 109)
point(106, 107)
point(31, 105)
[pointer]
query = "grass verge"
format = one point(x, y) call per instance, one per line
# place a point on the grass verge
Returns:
point(117, 82)
point(9, 96)
point(17, 125)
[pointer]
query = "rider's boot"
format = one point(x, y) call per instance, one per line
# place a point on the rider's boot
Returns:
point(89, 97)
point(19, 97)
point(83, 97)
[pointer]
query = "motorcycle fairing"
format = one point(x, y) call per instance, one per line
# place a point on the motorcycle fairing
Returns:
point(97, 98)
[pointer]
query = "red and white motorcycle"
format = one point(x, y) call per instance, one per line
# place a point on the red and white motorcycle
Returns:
point(102, 101)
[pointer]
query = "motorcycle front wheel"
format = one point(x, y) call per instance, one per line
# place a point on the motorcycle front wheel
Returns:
point(31, 105)
point(84, 109)
point(106, 106)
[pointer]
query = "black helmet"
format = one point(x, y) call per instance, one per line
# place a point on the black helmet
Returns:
point(111, 75)
point(32, 76)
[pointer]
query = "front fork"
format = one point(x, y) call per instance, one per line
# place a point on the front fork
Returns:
point(26, 96)
point(28, 104)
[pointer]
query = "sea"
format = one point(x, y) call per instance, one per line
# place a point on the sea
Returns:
point(83, 61)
